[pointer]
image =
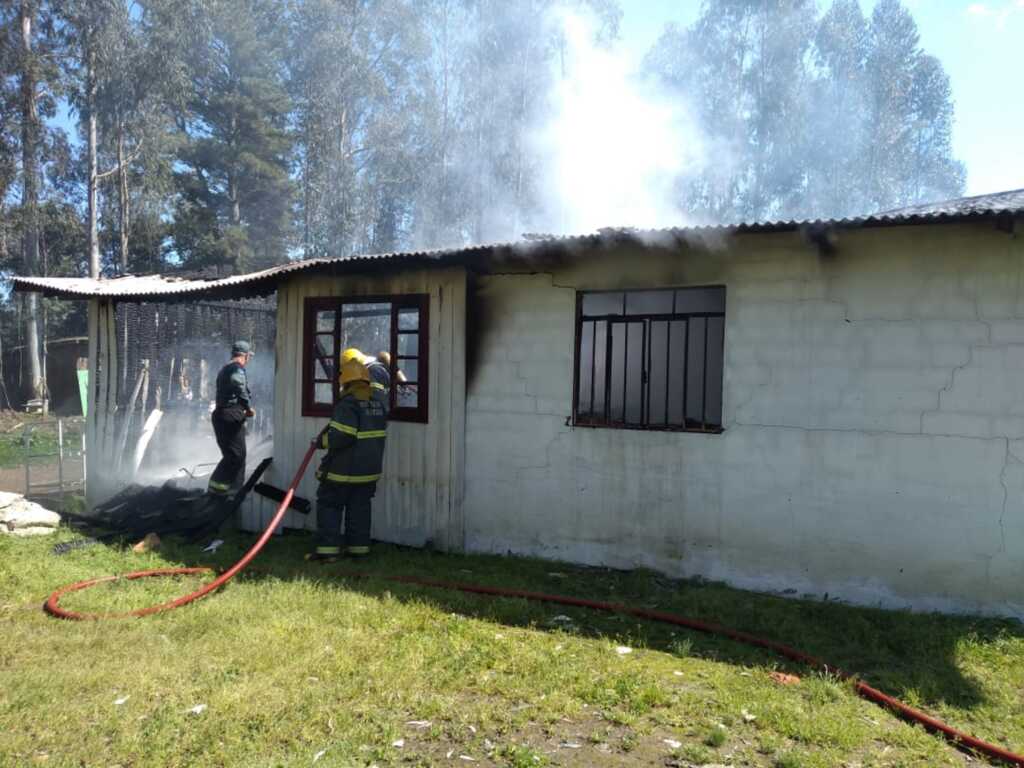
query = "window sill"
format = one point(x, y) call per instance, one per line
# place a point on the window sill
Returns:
point(637, 428)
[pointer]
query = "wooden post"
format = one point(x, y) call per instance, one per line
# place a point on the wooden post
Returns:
point(170, 381)
point(60, 457)
point(109, 432)
point(102, 400)
point(148, 429)
point(145, 386)
point(92, 416)
point(129, 413)
point(204, 380)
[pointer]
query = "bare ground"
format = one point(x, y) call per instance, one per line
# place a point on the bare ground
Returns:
point(12, 479)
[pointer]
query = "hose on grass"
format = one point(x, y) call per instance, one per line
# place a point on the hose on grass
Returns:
point(957, 738)
point(54, 608)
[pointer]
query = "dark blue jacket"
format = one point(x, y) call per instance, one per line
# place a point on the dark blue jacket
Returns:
point(354, 439)
point(233, 387)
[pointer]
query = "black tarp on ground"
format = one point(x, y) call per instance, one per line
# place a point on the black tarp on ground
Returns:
point(179, 506)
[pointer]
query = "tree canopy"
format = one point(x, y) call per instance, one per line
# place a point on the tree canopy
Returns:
point(221, 136)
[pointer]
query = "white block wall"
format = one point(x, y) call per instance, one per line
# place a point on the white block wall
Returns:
point(873, 412)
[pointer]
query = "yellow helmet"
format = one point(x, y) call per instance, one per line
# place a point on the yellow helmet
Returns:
point(353, 353)
point(353, 370)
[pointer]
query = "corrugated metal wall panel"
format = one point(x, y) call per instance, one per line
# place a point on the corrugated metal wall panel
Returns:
point(420, 496)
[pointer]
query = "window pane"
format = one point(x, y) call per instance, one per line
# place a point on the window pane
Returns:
point(676, 372)
point(409, 344)
point(700, 300)
point(407, 396)
point(321, 371)
point(602, 303)
point(649, 302)
point(584, 403)
point(635, 373)
point(408, 319)
point(618, 366)
point(366, 327)
point(627, 373)
point(716, 334)
point(325, 321)
point(600, 366)
point(657, 372)
point(323, 394)
point(325, 345)
point(410, 368)
point(695, 373)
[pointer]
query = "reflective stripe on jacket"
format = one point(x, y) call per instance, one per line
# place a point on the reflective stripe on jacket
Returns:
point(354, 438)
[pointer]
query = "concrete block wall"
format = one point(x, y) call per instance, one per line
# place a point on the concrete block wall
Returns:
point(873, 443)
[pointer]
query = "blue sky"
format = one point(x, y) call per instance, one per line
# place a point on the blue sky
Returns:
point(981, 45)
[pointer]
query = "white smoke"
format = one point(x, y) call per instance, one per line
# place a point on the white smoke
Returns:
point(613, 148)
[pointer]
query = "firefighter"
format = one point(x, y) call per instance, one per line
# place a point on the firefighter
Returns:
point(233, 407)
point(385, 359)
point(380, 377)
point(348, 475)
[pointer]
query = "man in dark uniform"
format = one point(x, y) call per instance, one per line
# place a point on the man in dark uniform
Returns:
point(234, 406)
point(348, 474)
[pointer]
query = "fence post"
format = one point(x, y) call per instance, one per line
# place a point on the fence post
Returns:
point(60, 459)
point(27, 445)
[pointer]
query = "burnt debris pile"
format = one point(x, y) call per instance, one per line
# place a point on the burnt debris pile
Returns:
point(178, 506)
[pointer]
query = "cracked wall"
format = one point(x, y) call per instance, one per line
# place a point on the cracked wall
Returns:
point(873, 415)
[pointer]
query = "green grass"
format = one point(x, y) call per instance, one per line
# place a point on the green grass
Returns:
point(300, 660)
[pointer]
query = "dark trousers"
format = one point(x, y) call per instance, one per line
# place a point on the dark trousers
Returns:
point(348, 503)
point(229, 428)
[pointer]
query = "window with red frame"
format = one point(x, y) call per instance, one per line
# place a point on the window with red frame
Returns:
point(396, 325)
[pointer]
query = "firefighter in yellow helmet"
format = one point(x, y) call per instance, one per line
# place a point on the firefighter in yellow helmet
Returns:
point(378, 369)
point(348, 475)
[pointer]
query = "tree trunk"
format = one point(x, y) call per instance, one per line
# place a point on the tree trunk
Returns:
point(236, 210)
point(90, 91)
point(30, 193)
point(122, 192)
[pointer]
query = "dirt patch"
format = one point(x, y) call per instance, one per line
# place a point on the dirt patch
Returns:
point(12, 479)
point(577, 743)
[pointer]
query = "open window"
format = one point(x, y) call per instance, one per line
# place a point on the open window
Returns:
point(396, 325)
point(650, 359)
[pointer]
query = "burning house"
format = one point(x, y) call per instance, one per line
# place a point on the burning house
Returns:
point(828, 406)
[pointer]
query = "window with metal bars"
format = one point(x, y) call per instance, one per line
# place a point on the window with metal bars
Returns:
point(396, 325)
point(650, 359)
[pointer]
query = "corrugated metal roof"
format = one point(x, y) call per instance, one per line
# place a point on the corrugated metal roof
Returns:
point(264, 282)
point(1011, 202)
point(169, 288)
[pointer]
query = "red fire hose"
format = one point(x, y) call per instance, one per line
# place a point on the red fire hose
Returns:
point(957, 738)
point(54, 608)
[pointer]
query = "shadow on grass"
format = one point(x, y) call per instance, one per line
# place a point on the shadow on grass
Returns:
point(911, 656)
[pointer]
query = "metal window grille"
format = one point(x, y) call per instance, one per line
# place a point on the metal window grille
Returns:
point(650, 359)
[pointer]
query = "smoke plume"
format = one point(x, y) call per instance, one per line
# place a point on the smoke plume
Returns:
point(613, 146)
